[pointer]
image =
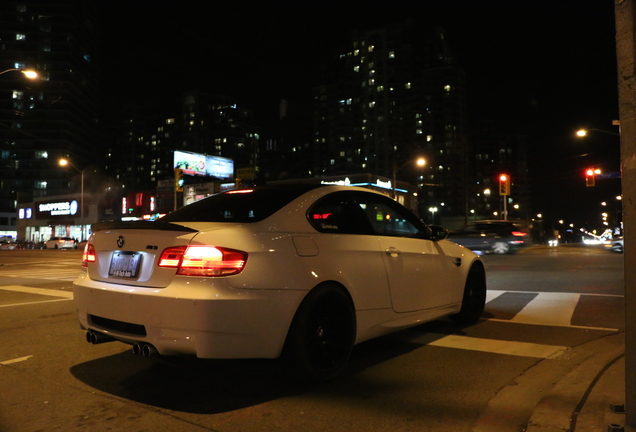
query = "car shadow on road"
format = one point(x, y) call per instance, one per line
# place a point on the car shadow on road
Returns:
point(218, 386)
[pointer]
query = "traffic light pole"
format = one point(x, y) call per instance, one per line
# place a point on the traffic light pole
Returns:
point(505, 207)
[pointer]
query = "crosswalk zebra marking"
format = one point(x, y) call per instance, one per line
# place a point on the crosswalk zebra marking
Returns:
point(549, 309)
point(64, 275)
point(522, 349)
point(40, 291)
point(546, 308)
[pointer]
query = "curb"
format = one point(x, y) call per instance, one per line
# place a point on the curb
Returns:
point(575, 403)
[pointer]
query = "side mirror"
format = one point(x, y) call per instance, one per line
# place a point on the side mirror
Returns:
point(439, 233)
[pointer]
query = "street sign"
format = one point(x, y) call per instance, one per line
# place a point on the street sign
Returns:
point(608, 175)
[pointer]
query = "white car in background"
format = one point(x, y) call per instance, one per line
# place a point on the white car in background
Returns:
point(60, 243)
point(298, 272)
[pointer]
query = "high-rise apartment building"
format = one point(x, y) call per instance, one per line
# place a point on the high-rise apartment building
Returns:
point(54, 115)
point(395, 95)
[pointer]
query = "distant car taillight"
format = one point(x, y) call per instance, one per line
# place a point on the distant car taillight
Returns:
point(200, 260)
point(88, 255)
point(518, 234)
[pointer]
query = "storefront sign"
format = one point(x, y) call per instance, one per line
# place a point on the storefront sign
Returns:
point(58, 208)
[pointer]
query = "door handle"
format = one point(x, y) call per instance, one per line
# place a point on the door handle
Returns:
point(392, 251)
point(457, 261)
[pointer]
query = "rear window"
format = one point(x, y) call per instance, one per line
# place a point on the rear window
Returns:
point(240, 205)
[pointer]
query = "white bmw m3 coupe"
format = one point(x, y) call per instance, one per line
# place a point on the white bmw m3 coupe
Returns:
point(298, 272)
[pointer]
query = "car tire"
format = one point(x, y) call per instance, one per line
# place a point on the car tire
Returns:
point(500, 248)
point(322, 334)
point(474, 299)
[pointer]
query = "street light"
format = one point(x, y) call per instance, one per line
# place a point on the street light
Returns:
point(65, 162)
point(583, 132)
point(31, 74)
point(420, 162)
point(433, 210)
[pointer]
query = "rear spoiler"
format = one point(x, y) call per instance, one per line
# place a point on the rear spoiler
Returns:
point(150, 225)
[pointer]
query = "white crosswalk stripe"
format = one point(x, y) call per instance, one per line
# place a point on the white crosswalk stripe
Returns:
point(546, 308)
point(549, 309)
point(59, 273)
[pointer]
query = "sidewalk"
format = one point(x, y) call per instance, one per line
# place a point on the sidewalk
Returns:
point(591, 398)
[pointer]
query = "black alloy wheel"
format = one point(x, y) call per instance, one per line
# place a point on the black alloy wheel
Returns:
point(322, 334)
point(474, 299)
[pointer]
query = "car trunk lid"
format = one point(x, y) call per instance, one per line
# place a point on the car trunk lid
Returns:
point(127, 252)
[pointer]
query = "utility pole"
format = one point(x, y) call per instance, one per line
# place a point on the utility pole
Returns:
point(625, 53)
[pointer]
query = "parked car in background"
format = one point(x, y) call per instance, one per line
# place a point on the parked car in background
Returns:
point(492, 236)
point(299, 272)
point(616, 245)
point(9, 245)
point(60, 243)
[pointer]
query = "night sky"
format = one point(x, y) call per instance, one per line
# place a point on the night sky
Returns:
point(542, 68)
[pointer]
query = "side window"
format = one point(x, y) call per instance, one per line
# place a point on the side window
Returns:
point(389, 218)
point(337, 213)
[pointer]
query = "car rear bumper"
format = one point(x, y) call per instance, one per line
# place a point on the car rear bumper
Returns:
point(203, 318)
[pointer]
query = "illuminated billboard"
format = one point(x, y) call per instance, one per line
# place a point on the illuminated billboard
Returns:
point(202, 165)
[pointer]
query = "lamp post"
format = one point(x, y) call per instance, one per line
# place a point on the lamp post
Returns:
point(65, 162)
point(420, 162)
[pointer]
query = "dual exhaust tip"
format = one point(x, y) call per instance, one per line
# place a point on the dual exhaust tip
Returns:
point(138, 348)
point(144, 349)
point(96, 338)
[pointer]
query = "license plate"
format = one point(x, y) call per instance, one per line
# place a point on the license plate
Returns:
point(124, 264)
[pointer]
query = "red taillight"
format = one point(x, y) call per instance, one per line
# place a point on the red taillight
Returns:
point(201, 260)
point(88, 255)
point(518, 233)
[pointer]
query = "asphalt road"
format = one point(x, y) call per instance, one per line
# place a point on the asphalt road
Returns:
point(546, 307)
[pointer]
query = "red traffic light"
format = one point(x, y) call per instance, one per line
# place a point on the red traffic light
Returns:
point(504, 184)
point(590, 176)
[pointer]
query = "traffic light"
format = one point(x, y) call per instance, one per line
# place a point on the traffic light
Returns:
point(590, 176)
point(178, 179)
point(504, 184)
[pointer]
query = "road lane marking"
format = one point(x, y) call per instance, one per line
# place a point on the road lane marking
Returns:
point(34, 302)
point(65, 295)
point(65, 275)
point(549, 309)
point(493, 294)
point(40, 291)
point(16, 360)
point(495, 346)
